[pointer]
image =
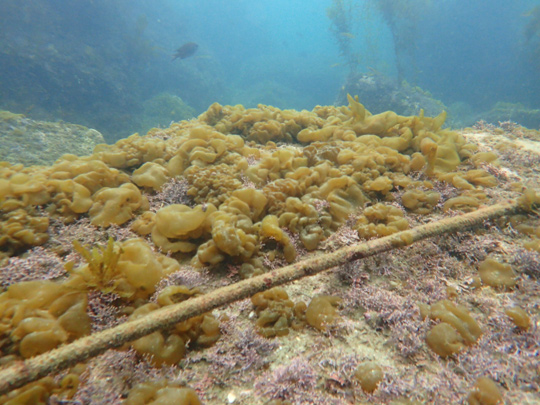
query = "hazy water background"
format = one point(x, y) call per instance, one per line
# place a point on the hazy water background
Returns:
point(107, 64)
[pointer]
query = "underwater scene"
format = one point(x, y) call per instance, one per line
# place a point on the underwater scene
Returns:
point(269, 202)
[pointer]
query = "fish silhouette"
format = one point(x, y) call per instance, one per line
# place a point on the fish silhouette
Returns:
point(186, 50)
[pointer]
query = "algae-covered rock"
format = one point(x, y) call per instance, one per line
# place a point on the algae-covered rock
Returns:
point(382, 93)
point(162, 109)
point(30, 142)
point(514, 112)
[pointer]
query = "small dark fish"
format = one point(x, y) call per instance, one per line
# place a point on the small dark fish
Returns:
point(186, 50)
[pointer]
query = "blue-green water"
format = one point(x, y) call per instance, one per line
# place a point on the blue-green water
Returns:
point(107, 63)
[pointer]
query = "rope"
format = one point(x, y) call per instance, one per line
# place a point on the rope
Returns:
point(21, 372)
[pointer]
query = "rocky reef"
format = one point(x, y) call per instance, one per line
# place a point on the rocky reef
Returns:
point(32, 142)
point(383, 93)
point(90, 241)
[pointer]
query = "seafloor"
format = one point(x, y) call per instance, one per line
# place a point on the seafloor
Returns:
point(318, 173)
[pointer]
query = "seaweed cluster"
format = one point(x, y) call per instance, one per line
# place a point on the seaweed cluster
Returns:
point(341, 15)
point(245, 186)
point(403, 19)
point(245, 190)
point(531, 33)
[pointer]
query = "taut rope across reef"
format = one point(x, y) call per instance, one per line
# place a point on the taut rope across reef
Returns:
point(23, 372)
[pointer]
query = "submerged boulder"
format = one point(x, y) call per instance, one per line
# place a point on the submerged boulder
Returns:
point(33, 142)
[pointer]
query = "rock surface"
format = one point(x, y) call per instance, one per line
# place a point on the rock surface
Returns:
point(23, 140)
